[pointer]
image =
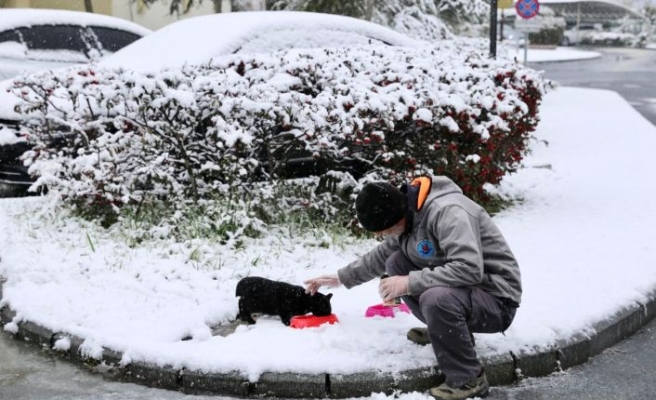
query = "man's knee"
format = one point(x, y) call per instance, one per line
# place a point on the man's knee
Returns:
point(442, 300)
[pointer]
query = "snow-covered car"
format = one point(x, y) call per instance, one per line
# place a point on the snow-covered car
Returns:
point(33, 39)
point(511, 35)
point(573, 36)
point(197, 41)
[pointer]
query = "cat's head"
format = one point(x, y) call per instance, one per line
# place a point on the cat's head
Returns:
point(320, 304)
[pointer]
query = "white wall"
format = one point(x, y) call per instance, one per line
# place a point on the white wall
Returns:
point(157, 15)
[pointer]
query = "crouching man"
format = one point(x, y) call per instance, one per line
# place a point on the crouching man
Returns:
point(448, 261)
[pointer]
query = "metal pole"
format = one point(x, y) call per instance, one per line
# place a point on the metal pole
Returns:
point(493, 28)
point(525, 48)
point(578, 21)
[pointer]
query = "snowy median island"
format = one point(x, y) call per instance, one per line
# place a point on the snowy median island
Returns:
point(583, 234)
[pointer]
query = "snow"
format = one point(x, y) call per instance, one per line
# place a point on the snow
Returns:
point(547, 55)
point(198, 40)
point(583, 235)
point(20, 17)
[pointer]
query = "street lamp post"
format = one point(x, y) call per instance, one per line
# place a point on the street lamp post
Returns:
point(493, 28)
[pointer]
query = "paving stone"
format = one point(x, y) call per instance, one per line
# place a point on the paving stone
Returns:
point(616, 328)
point(360, 384)
point(228, 384)
point(290, 385)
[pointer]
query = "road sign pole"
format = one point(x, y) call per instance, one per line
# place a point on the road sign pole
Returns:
point(493, 28)
point(525, 48)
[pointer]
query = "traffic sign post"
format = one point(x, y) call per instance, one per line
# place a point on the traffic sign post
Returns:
point(527, 9)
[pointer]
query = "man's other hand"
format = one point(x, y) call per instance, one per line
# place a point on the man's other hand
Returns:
point(393, 287)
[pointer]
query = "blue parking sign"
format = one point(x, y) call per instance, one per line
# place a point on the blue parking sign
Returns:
point(527, 8)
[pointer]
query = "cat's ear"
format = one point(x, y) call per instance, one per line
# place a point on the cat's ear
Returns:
point(328, 296)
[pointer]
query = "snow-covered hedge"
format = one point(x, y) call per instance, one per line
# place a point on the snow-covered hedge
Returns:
point(226, 130)
point(614, 39)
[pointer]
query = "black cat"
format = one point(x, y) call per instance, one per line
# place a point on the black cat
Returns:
point(261, 295)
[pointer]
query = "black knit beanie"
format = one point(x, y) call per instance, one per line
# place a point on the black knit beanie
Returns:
point(379, 206)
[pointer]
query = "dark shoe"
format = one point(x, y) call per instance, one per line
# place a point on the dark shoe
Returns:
point(419, 336)
point(479, 387)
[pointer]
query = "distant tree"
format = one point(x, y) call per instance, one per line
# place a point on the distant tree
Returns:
point(458, 14)
point(183, 6)
point(650, 13)
point(421, 17)
point(351, 8)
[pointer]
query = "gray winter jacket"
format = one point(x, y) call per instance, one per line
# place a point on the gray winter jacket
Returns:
point(451, 240)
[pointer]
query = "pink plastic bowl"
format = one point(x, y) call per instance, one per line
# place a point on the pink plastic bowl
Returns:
point(386, 311)
point(311, 321)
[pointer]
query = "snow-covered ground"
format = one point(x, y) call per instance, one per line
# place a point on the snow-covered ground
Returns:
point(547, 55)
point(583, 233)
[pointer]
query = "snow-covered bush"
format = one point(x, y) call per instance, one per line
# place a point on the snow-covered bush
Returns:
point(614, 39)
point(106, 139)
point(552, 30)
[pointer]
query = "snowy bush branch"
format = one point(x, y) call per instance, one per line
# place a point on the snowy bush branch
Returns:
point(109, 138)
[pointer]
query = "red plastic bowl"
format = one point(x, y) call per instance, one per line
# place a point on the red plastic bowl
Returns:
point(312, 321)
point(386, 311)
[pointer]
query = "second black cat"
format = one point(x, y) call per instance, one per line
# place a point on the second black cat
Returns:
point(261, 295)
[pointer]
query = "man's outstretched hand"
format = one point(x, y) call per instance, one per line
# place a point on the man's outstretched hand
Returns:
point(324, 280)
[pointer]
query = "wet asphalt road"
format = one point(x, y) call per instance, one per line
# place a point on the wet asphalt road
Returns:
point(29, 373)
point(630, 72)
point(626, 371)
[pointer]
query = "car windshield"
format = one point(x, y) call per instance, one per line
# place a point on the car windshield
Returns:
point(113, 40)
point(53, 37)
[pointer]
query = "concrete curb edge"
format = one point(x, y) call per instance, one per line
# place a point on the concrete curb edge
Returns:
point(501, 369)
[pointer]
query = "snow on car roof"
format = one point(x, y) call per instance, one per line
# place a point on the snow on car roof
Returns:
point(197, 40)
point(21, 17)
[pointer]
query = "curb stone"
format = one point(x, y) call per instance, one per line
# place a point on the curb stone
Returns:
point(574, 351)
point(501, 369)
point(535, 364)
point(290, 385)
point(230, 384)
point(361, 384)
point(616, 328)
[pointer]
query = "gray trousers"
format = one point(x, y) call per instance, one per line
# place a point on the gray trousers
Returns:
point(450, 314)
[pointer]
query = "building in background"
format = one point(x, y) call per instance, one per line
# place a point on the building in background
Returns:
point(157, 15)
point(99, 6)
point(152, 17)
